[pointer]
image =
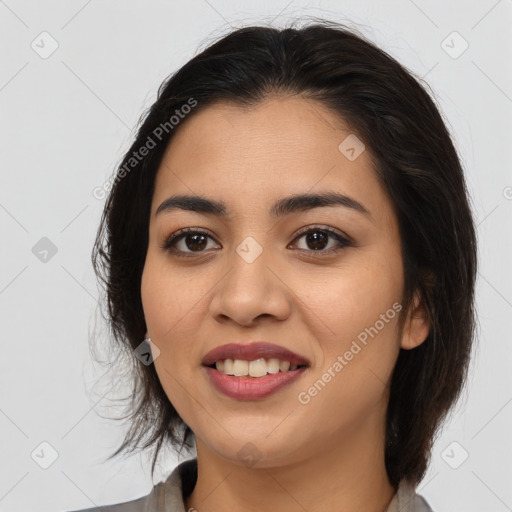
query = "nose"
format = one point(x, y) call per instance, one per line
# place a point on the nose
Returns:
point(249, 290)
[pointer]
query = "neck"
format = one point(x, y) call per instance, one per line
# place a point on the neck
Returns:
point(349, 476)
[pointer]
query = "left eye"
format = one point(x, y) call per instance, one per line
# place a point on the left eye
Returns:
point(317, 238)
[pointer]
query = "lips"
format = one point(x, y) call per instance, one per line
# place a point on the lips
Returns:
point(252, 351)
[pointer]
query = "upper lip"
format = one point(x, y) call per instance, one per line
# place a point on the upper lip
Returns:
point(252, 351)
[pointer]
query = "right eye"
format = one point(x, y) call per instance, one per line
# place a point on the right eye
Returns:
point(189, 238)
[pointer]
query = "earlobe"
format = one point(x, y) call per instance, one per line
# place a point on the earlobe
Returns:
point(417, 325)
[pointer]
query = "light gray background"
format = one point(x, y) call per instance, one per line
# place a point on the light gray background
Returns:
point(66, 121)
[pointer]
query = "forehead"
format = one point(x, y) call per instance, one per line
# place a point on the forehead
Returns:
point(290, 129)
point(255, 155)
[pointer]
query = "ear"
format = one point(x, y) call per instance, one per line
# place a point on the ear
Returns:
point(417, 325)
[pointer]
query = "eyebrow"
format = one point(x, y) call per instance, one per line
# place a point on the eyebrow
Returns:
point(281, 208)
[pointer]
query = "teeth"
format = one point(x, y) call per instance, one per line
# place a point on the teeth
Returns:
point(228, 366)
point(273, 365)
point(284, 366)
point(240, 368)
point(256, 368)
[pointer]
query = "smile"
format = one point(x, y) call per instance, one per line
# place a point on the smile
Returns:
point(246, 387)
point(257, 368)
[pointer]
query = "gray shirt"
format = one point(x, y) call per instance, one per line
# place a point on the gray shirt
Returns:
point(168, 495)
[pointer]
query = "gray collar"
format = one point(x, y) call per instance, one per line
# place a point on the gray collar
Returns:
point(181, 482)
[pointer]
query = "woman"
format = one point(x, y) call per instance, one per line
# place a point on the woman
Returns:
point(290, 235)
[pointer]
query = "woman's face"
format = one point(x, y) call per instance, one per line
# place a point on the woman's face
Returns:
point(255, 276)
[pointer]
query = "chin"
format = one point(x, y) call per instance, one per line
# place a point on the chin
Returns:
point(259, 454)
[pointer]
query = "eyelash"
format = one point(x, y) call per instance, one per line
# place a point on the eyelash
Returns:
point(175, 237)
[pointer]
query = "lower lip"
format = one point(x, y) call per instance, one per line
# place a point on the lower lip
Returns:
point(252, 388)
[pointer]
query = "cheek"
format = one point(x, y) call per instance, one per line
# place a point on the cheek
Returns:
point(353, 313)
point(167, 298)
point(172, 304)
point(352, 296)
point(165, 303)
point(357, 345)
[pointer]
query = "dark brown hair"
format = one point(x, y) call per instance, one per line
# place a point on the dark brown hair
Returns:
point(417, 164)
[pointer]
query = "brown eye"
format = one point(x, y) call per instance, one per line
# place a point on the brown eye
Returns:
point(317, 239)
point(195, 242)
point(192, 241)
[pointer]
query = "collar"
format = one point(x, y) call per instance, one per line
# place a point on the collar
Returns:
point(180, 483)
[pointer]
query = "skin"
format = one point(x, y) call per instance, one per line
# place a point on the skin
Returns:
point(327, 454)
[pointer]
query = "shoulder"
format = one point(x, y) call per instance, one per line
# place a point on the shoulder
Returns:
point(166, 496)
point(406, 500)
point(143, 504)
point(420, 505)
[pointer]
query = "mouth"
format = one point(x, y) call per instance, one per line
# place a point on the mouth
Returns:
point(253, 371)
point(256, 368)
point(256, 359)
